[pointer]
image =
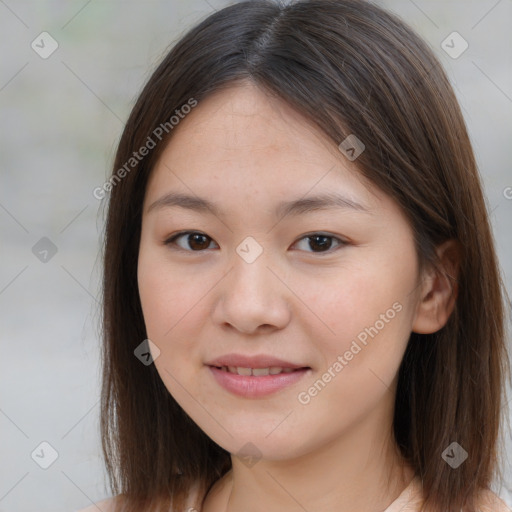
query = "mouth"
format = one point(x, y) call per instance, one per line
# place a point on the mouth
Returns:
point(259, 364)
point(258, 372)
point(248, 382)
point(255, 376)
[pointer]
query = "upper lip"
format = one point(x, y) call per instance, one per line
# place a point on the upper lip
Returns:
point(244, 361)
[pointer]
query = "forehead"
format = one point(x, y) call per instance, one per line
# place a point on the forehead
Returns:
point(243, 120)
point(245, 142)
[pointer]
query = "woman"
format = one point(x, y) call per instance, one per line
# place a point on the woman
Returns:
point(302, 301)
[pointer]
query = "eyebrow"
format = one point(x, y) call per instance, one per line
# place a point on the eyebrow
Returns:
point(294, 207)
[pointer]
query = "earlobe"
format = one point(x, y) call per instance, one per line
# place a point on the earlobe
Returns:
point(439, 290)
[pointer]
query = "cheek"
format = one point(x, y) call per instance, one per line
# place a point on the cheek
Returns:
point(367, 312)
point(167, 296)
point(371, 319)
point(171, 307)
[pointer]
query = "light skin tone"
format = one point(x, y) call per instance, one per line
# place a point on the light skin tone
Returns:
point(301, 301)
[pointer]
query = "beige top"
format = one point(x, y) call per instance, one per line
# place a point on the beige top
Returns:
point(412, 497)
point(409, 501)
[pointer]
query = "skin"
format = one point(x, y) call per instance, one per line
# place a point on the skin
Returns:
point(247, 151)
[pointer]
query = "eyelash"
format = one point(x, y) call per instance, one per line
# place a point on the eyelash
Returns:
point(171, 241)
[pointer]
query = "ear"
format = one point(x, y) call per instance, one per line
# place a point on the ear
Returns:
point(439, 290)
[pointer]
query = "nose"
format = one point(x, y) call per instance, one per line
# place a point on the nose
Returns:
point(252, 297)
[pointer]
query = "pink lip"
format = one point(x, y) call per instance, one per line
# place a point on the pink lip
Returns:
point(250, 386)
point(256, 386)
point(243, 361)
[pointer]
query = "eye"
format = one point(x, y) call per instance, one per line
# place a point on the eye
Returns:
point(195, 241)
point(321, 242)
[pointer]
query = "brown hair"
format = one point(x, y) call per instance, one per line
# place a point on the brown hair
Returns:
point(349, 67)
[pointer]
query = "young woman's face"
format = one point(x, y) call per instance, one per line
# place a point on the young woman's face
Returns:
point(296, 264)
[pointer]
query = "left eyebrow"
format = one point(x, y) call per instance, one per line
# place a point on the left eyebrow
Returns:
point(293, 207)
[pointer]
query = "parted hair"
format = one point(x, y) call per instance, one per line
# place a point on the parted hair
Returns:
point(351, 68)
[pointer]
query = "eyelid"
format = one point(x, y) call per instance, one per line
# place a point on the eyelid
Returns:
point(171, 239)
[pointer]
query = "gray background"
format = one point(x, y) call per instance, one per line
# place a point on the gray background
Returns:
point(61, 118)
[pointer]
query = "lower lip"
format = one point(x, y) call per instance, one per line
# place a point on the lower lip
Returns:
point(249, 386)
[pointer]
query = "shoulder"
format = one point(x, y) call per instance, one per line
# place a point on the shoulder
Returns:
point(488, 501)
point(194, 501)
point(106, 505)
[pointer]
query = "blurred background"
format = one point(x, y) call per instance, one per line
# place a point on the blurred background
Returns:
point(69, 74)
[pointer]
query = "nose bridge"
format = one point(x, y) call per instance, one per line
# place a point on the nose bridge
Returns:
point(251, 295)
point(251, 276)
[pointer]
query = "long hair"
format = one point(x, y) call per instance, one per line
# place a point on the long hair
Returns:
point(351, 68)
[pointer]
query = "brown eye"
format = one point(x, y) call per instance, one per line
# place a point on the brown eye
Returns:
point(318, 242)
point(193, 241)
